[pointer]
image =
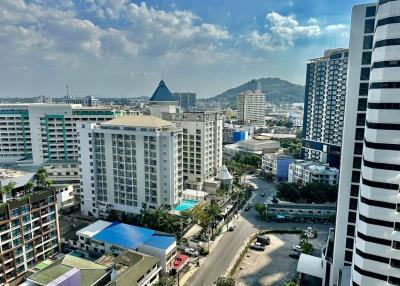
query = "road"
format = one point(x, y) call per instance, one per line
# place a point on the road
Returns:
point(217, 263)
point(219, 260)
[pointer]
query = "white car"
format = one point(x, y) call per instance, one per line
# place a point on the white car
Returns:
point(250, 204)
point(191, 251)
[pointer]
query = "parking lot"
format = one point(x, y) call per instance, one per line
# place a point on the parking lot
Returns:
point(270, 267)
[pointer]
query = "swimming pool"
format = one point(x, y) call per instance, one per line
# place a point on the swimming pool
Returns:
point(186, 205)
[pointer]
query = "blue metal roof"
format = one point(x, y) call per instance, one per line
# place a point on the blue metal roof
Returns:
point(130, 236)
point(162, 93)
point(160, 241)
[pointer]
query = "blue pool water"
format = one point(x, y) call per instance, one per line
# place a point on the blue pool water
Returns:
point(186, 205)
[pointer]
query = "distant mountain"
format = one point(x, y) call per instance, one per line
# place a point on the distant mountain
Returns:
point(277, 90)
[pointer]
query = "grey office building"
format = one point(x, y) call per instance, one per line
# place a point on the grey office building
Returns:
point(324, 107)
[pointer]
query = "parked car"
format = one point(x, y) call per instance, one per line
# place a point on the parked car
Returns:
point(265, 240)
point(232, 226)
point(247, 208)
point(250, 204)
point(191, 251)
point(263, 194)
point(257, 246)
point(297, 248)
point(294, 254)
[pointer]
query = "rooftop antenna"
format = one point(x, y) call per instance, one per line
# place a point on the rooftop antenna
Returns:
point(67, 88)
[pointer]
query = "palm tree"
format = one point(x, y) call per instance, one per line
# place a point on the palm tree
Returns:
point(42, 176)
point(7, 189)
point(29, 186)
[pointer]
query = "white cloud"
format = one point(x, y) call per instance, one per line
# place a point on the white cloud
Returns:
point(312, 21)
point(283, 31)
point(337, 27)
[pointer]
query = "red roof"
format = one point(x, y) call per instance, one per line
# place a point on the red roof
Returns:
point(180, 261)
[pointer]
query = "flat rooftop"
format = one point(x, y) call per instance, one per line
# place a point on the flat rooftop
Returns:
point(138, 121)
point(127, 236)
point(303, 206)
point(6, 173)
point(90, 271)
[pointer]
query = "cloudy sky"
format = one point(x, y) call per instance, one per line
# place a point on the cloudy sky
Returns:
point(122, 48)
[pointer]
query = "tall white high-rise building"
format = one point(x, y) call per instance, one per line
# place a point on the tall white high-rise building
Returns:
point(367, 236)
point(251, 106)
point(202, 145)
point(130, 163)
point(45, 135)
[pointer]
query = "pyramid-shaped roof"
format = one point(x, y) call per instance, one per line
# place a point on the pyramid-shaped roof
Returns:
point(162, 93)
point(224, 174)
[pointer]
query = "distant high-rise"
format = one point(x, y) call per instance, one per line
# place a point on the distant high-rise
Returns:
point(367, 236)
point(251, 106)
point(324, 107)
point(187, 100)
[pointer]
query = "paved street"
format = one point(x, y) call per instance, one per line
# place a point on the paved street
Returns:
point(218, 261)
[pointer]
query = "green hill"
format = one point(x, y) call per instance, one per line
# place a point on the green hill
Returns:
point(277, 90)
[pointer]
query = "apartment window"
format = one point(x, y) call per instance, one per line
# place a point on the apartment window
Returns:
point(366, 58)
point(369, 26)
point(370, 11)
point(349, 243)
point(367, 43)
point(375, 239)
point(348, 255)
point(350, 230)
point(352, 218)
point(363, 89)
point(357, 162)
point(360, 119)
point(359, 134)
point(354, 190)
point(358, 148)
point(365, 74)
point(362, 104)
point(353, 204)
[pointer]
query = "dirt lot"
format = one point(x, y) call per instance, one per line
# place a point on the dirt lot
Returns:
point(270, 267)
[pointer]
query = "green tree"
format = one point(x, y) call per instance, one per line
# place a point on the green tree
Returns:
point(225, 281)
point(112, 216)
point(261, 209)
point(29, 186)
point(159, 219)
point(7, 189)
point(290, 283)
point(165, 281)
point(42, 176)
point(288, 192)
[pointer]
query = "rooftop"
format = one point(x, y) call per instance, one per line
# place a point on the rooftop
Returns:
point(90, 272)
point(162, 93)
point(130, 266)
point(131, 237)
point(138, 121)
point(94, 228)
point(6, 173)
point(303, 206)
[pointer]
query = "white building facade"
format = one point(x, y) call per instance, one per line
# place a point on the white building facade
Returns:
point(202, 145)
point(251, 107)
point(367, 240)
point(46, 135)
point(308, 172)
point(130, 163)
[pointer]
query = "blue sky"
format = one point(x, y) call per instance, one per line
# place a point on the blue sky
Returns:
point(122, 48)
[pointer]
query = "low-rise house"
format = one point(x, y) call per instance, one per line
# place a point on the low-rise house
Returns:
point(292, 211)
point(71, 270)
point(310, 172)
point(277, 164)
point(131, 269)
point(104, 237)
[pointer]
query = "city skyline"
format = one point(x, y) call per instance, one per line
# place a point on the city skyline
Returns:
point(123, 48)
